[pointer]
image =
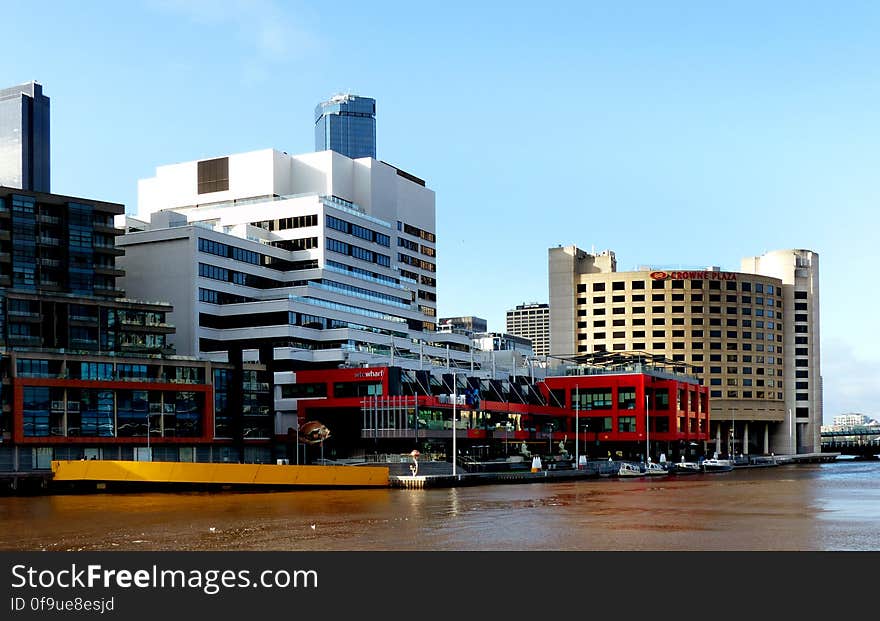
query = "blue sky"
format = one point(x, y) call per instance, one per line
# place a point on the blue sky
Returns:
point(674, 133)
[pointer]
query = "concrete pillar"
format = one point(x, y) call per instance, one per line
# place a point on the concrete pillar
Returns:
point(718, 438)
point(746, 439)
point(766, 438)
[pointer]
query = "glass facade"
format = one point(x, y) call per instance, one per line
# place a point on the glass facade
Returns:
point(24, 137)
point(346, 124)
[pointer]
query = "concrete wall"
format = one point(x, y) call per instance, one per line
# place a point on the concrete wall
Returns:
point(169, 276)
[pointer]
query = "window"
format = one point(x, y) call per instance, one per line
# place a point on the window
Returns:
point(617, 285)
point(627, 424)
point(213, 175)
point(595, 399)
point(626, 398)
point(598, 286)
point(638, 284)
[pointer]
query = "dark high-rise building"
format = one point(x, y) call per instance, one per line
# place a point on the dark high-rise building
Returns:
point(24, 137)
point(346, 124)
point(58, 279)
point(87, 373)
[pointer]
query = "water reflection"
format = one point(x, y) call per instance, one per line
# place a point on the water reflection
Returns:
point(819, 507)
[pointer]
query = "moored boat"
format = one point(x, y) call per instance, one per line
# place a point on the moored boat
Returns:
point(629, 470)
point(655, 470)
point(717, 465)
point(685, 467)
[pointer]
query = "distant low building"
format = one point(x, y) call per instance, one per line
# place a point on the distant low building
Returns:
point(531, 321)
point(467, 325)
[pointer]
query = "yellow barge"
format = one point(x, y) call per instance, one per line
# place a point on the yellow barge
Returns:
point(104, 474)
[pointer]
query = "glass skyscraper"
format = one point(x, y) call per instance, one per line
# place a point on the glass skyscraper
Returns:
point(24, 137)
point(346, 124)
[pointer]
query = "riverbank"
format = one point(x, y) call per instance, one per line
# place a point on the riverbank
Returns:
point(127, 476)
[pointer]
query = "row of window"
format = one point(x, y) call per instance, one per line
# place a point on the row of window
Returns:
point(732, 346)
point(715, 334)
point(334, 245)
point(729, 285)
point(694, 310)
point(416, 262)
point(219, 297)
point(293, 245)
point(676, 321)
point(416, 232)
point(415, 247)
point(233, 252)
point(746, 394)
point(357, 230)
point(282, 224)
point(359, 272)
point(679, 297)
point(240, 278)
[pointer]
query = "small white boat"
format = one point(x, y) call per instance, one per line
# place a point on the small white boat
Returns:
point(717, 465)
point(655, 470)
point(629, 470)
point(686, 467)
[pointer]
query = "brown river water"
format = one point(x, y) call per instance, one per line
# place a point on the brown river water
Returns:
point(833, 506)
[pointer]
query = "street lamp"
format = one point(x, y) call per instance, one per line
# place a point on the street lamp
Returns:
point(149, 452)
point(577, 428)
point(647, 427)
point(454, 444)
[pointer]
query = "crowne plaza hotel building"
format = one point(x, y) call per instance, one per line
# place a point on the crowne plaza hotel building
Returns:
point(751, 337)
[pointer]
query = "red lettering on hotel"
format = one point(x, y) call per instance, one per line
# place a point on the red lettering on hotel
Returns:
point(693, 275)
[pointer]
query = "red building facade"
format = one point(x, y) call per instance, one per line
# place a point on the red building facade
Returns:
point(606, 414)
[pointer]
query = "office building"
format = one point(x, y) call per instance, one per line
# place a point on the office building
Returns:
point(24, 138)
point(462, 325)
point(735, 330)
point(531, 321)
point(86, 372)
point(315, 260)
point(346, 124)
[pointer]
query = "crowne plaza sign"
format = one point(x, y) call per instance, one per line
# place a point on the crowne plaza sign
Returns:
point(693, 275)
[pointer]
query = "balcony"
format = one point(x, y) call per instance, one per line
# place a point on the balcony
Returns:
point(25, 341)
point(112, 292)
point(107, 229)
point(45, 218)
point(109, 270)
point(150, 328)
point(109, 249)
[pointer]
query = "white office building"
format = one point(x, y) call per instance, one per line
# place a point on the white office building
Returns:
point(314, 260)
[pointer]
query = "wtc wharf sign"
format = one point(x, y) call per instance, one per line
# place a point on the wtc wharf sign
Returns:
point(696, 275)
